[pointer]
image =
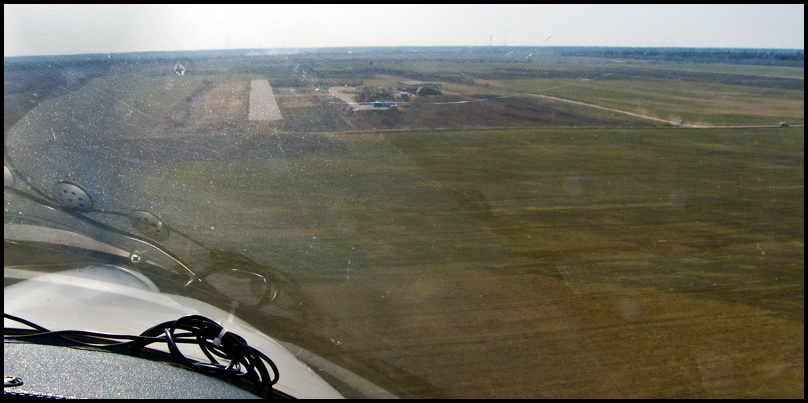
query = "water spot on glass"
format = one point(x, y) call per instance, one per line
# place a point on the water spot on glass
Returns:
point(630, 310)
point(574, 186)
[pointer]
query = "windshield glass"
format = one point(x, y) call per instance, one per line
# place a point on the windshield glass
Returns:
point(481, 201)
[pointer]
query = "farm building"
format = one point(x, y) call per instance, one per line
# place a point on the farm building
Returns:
point(420, 87)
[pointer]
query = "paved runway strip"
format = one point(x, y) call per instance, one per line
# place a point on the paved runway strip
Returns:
point(262, 102)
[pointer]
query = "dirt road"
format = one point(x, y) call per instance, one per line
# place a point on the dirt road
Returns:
point(607, 109)
point(653, 118)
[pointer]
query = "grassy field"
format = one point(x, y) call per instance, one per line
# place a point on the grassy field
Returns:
point(763, 71)
point(571, 252)
point(650, 263)
point(692, 102)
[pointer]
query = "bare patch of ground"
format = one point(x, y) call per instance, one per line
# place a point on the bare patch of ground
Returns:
point(213, 108)
point(296, 97)
point(347, 95)
point(385, 80)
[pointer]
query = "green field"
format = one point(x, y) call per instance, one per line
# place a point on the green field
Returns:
point(762, 71)
point(692, 102)
point(674, 250)
point(485, 242)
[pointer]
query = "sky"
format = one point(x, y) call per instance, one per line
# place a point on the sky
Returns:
point(77, 29)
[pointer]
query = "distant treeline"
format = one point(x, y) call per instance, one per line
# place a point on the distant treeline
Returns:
point(767, 57)
point(763, 57)
point(350, 66)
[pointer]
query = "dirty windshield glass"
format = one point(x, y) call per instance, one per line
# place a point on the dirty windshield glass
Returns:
point(516, 211)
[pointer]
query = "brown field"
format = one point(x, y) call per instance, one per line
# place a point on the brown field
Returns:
point(215, 107)
point(571, 252)
point(297, 97)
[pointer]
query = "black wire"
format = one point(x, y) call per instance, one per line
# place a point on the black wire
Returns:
point(244, 361)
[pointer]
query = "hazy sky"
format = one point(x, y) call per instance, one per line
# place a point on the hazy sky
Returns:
point(71, 29)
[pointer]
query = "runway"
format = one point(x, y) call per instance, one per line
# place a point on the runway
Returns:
point(262, 102)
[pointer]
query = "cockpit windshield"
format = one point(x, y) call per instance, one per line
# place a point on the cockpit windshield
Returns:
point(442, 201)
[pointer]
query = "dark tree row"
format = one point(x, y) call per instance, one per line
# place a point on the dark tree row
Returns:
point(767, 57)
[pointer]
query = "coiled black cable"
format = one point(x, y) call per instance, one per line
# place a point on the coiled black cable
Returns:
point(243, 361)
